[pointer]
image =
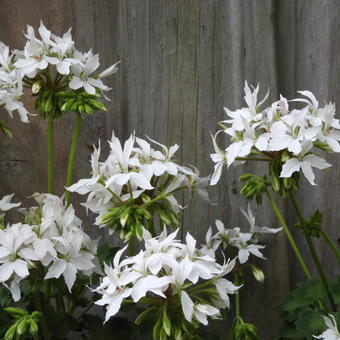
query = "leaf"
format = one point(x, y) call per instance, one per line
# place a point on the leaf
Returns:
point(310, 323)
point(142, 315)
point(166, 323)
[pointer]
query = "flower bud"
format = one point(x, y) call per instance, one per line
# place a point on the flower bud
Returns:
point(36, 87)
point(258, 274)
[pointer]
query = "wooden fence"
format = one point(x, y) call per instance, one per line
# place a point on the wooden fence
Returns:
point(182, 61)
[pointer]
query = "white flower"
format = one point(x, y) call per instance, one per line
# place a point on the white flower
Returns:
point(219, 158)
point(82, 73)
point(277, 130)
point(164, 269)
point(6, 204)
point(245, 243)
point(305, 162)
point(134, 173)
point(71, 258)
point(332, 332)
point(53, 239)
point(253, 228)
point(198, 311)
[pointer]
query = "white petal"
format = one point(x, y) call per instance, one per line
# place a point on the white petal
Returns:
point(308, 172)
point(20, 268)
point(75, 83)
point(56, 269)
point(291, 166)
point(70, 275)
point(243, 255)
point(187, 306)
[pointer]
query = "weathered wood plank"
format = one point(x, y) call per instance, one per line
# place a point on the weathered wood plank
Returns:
point(182, 61)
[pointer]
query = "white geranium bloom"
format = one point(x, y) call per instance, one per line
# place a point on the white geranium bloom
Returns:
point(332, 332)
point(164, 269)
point(254, 229)
point(245, 243)
point(219, 158)
point(305, 163)
point(71, 259)
point(6, 204)
point(198, 311)
point(53, 238)
point(277, 131)
point(135, 173)
point(82, 73)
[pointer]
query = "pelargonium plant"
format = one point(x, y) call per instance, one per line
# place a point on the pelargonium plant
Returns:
point(236, 242)
point(135, 183)
point(173, 280)
point(240, 244)
point(287, 138)
point(50, 240)
point(278, 134)
point(60, 78)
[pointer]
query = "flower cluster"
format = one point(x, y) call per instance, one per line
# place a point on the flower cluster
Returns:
point(11, 86)
point(134, 182)
point(332, 332)
point(50, 236)
point(279, 132)
point(60, 52)
point(61, 77)
point(242, 244)
point(168, 276)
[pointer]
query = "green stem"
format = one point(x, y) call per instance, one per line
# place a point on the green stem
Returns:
point(50, 156)
point(313, 252)
point(39, 308)
point(253, 159)
point(331, 244)
point(132, 247)
point(237, 296)
point(289, 236)
point(71, 158)
point(60, 294)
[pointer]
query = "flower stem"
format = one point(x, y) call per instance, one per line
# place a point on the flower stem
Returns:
point(288, 234)
point(50, 156)
point(38, 305)
point(237, 296)
point(72, 154)
point(331, 243)
point(131, 247)
point(253, 159)
point(313, 252)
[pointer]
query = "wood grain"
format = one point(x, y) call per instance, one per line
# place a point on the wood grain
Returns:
point(182, 61)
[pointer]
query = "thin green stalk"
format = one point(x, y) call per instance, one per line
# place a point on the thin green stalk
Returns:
point(313, 253)
point(71, 158)
point(60, 294)
point(331, 243)
point(237, 296)
point(132, 247)
point(289, 236)
point(50, 156)
point(253, 159)
point(39, 308)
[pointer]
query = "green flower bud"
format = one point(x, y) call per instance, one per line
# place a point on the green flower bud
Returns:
point(36, 87)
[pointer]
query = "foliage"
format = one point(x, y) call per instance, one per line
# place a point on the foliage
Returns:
point(301, 310)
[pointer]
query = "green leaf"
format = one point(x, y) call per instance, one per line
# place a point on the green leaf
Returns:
point(310, 323)
point(142, 315)
point(166, 322)
point(16, 312)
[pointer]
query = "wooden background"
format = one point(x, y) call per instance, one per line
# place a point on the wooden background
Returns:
point(182, 61)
